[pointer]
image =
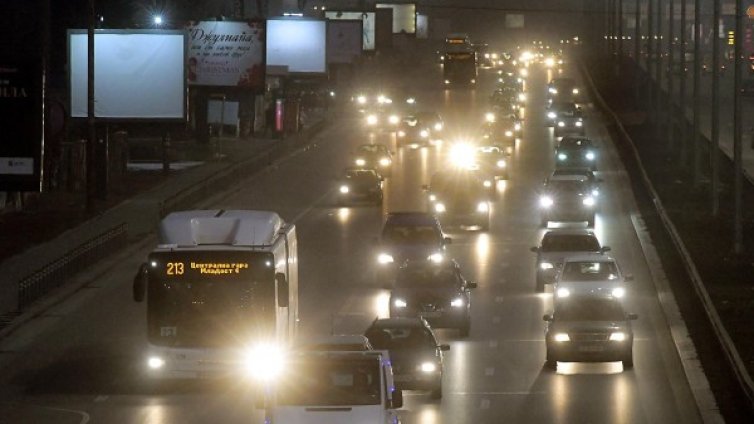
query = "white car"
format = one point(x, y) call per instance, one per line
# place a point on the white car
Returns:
point(591, 275)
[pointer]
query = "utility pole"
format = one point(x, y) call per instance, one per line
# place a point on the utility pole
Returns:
point(682, 88)
point(671, 80)
point(697, 90)
point(714, 149)
point(637, 34)
point(650, 58)
point(738, 133)
point(620, 33)
point(658, 65)
point(91, 141)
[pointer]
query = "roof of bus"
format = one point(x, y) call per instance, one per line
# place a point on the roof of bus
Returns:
point(220, 227)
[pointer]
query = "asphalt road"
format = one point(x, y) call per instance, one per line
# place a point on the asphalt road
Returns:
point(81, 361)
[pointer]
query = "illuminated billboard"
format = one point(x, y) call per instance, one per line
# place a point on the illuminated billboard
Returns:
point(368, 24)
point(299, 44)
point(404, 17)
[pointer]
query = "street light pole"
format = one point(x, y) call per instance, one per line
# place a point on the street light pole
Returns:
point(620, 33)
point(658, 64)
point(738, 133)
point(697, 90)
point(682, 88)
point(90, 119)
point(637, 34)
point(714, 149)
point(671, 80)
point(650, 57)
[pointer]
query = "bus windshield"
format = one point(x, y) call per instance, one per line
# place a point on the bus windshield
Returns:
point(209, 298)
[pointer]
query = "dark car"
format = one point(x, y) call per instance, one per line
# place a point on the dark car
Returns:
point(416, 356)
point(414, 133)
point(567, 200)
point(494, 161)
point(576, 152)
point(459, 198)
point(563, 90)
point(586, 173)
point(560, 109)
point(589, 329)
point(358, 184)
point(409, 236)
point(569, 120)
point(432, 121)
point(556, 245)
point(435, 292)
point(373, 156)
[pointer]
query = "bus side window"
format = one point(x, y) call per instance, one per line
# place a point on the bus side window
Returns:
point(140, 283)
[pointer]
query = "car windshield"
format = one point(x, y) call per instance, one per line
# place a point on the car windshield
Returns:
point(397, 338)
point(578, 143)
point(426, 277)
point(566, 185)
point(331, 381)
point(570, 243)
point(591, 309)
point(361, 175)
point(411, 234)
point(574, 172)
point(371, 148)
point(589, 271)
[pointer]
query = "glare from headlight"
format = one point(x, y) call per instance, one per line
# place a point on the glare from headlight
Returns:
point(360, 162)
point(264, 361)
point(384, 162)
point(439, 207)
point(436, 257)
point(432, 197)
point(549, 62)
point(546, 201)
point(595, 192)
point(410, 100)
point(400, 303)
point(482, 207)
point(371, 119)
point(489, 117)
point(517, 127)
point(385, 258)
point(424, 133)
point(524, 72)
point(344, 189)
point(579, 123)
point(551, 115)
point(562, 156)
point(553, 90)
point(522, 97)
point(546, 265)
point(618, 292)
point(561, 337)
point(155, 362)
point(509, 133)
point(561, 124)
point(575, 91)
point(457, 303)
point(588, 201)
point(438, 127)
point(361, 100)
point(463, 155)
point(393, 119)
point(618, 336)
point(381, 99)
point(401, 133)
point(447, 81)
point(563, 292)
point(428, 367)
point(590, 155)
point(487, 183)
point(501, 164)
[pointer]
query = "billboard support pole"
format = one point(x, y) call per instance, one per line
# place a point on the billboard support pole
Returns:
point(91, 122)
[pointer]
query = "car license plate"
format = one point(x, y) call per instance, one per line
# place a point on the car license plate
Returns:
point(591, 348)
point(434, 314)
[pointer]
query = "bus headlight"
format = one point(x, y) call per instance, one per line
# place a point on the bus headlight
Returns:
point(482, 207)
point(545, 201)
point(439, 207)
point(155, 362)
point(590, 156)
point(264, 361)
point(562, 156)
point(384, 258)
point(344, 189)
point(544, 266)
point(360, 162)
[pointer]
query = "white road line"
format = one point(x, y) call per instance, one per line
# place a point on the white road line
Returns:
point(312, 206)
point(84, 416)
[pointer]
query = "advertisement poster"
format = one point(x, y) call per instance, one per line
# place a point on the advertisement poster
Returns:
point(367, 19)
point(227, 54)
point(299, 44)
point(404, 17)
point(343, 41)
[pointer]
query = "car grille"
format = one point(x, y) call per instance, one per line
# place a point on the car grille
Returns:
point(589, 337)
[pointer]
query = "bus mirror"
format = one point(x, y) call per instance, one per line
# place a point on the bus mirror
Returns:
point(397, 401)
point(140, 283)
point(282, 284)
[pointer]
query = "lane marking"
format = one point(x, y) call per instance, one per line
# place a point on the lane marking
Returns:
point(311, 207)
point(84, 416)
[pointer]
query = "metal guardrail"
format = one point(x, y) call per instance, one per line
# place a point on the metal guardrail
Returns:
point(54, 274)
point(731, 353)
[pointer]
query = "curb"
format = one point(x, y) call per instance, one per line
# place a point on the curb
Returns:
point(731, 353)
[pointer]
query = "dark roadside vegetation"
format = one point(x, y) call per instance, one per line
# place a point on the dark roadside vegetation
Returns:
point(729, 278)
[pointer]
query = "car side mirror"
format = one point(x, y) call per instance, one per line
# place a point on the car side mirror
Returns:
point(534, 249)
point(444, 347)
point(547, 317)
point(628, 277)
point(605, 249)
point(632, 316)
point(447, 240)
point(140, 283)
point(425, 187)
point(471, 285)
point(397, 400)
point(283, 289)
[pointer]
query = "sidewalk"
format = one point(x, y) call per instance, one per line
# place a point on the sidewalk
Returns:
point(41, 247)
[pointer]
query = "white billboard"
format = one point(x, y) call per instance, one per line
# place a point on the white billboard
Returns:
point(404, 17)
point(367, 20)
point(422, 26)
point(137, 74)
point(343, 41)
point(227, 54)
point(299, 44)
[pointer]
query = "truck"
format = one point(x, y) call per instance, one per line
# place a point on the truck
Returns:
point(337, 387)
point(220, 285)
point(460, 68)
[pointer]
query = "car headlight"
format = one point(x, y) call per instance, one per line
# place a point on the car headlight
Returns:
point(428, 367)
point(401, 133)
point(517, 127)
point(361, 100)
point(521, 97)
point(618, 292)
point(553, 90)
point(371, 119)
point(575, 91)
point(489, 117)
point(482, 207)
point(595, 192)
point(384, 162)
point(561, 337)
point(447, 81)
point(381, 99)
point(423, 133)
point(487, 183)
point(618, 336)
point(551, 115)
point(546, 201)
point(457, 303)
point(509, 133)
point(439, 207)
point(438, 127)
point(344, 189)
point(501, 164)
point(264, 361)
point(590, 156)
point(385, 258)
point(393, 119)
point(549, 62)
point(155, 362)
point(360, 162)
point(436, 257)
point(561, 124)
point(579, 123)
point(588, 201)
point(524, 72)
point(411, 100)
point(546, 265)
point(563, 292)
point(562, 156)
point(400, 303)
point(432, 197)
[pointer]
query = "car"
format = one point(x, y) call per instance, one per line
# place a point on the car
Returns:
point(585, 173)
point(459, 198)
point(568, 199)
point(576, 152)
point(383, 117)
point(563, 90)
point(494, 161)
point(570, 121)
point(373, 156)
point(592, 274)
point(408, 236)
point(436, 292)
point(589, 329)
point(556, 110)
point(358, 184)
point(411, 132)
point(559, 244)
point(416, 356)
point(506, 98)
point(432, 121)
